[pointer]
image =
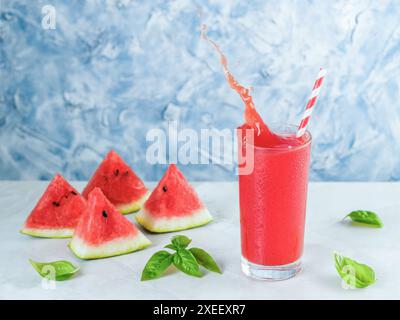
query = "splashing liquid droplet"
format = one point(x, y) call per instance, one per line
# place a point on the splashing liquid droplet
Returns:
point(263, 135)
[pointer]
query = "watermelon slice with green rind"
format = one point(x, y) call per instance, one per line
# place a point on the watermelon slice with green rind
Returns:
point(57, 212)
point(125, 190)
point(104, 232)
point(173, 205)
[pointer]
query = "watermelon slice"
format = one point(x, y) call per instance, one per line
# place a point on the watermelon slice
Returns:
point(57, 213)
point(104, 232)
point(173, 205)
point(119, 183)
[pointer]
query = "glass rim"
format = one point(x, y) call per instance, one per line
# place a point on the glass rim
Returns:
point(272, 126)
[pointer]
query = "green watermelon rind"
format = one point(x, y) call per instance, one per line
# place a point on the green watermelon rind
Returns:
point(135, 206)
point(175, 223)
point(138, 242)
point(48, 233)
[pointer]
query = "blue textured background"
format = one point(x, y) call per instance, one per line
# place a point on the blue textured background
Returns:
point(114, 69)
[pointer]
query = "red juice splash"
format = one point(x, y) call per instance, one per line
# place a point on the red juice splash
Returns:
point(264, 136)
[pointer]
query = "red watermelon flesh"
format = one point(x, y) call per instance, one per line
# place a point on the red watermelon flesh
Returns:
point(173, 194)
point(119, 183)
point(104, 232)
point(173, 205)
point(58, 211)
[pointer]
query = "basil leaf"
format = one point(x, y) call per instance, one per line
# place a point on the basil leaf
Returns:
point(57, 270)
point(171, 246)
point(181, 241)
point(185, 261)
point(204, 259)
point(354, 273)
point(157, 264)
point(366, 217)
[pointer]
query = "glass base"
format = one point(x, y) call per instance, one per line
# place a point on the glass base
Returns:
point(270, 273)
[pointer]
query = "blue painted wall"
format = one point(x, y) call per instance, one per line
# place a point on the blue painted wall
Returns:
point(111, 70)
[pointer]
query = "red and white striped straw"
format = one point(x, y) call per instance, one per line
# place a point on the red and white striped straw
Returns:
point(311, 103)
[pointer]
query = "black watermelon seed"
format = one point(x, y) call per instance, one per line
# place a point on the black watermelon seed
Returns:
point(105, 215)
point(55, 203)
point(74, 193)
point(164, 188)
point(116, 172)
point(126, 173)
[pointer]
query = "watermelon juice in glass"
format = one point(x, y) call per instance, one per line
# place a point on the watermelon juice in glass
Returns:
point(273, 205)
point(273, 194)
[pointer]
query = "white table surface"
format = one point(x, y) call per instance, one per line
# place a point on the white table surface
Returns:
point(119, 277)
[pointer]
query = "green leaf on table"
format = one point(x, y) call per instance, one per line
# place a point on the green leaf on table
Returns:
point(354, 274)
point(366, 217)
point(185, 261)
point(58, 270)
point(204, 259)
point(157, 264)
point(180, 242)
point(171, 246)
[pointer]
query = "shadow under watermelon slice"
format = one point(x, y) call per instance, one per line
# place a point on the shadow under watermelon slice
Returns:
point(173, 205)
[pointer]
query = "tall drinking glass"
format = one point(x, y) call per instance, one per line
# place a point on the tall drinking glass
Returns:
point(273, 206)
